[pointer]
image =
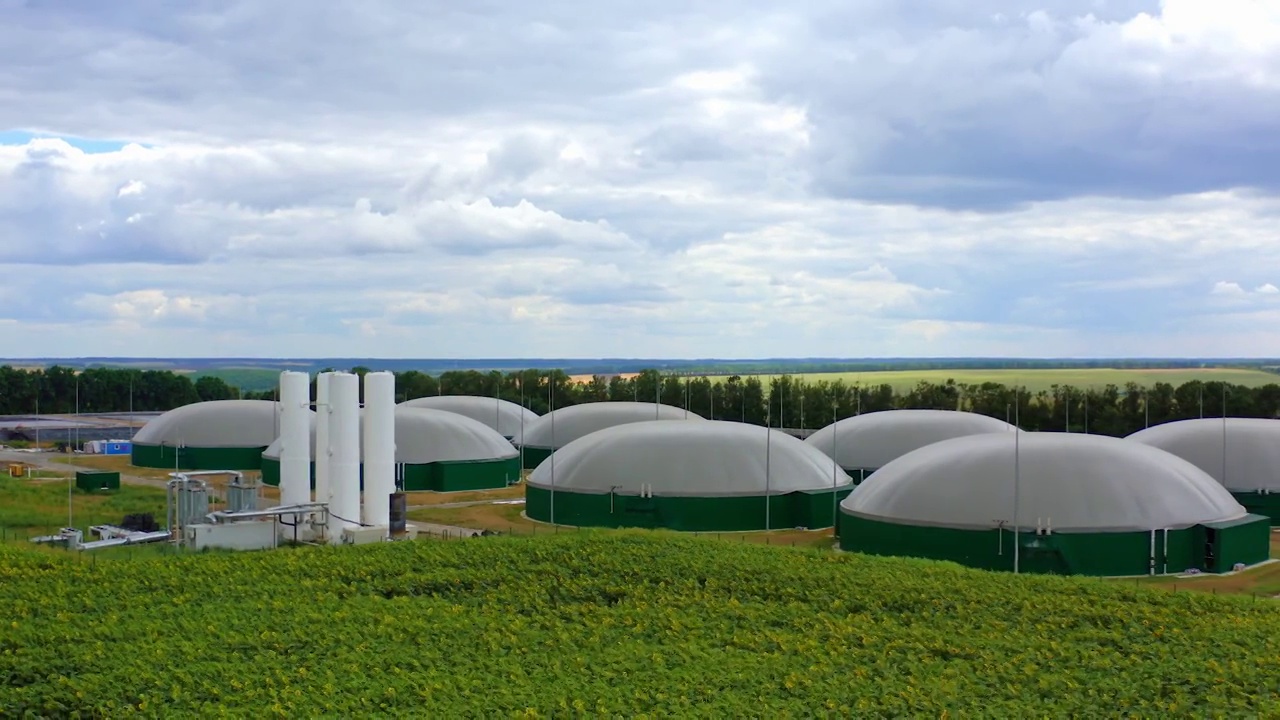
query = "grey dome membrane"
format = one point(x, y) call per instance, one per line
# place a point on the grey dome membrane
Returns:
point(215, 424)
point(426, 436)
point(503, 416)
point(1074, 482)
point(706, 459)
point(575, 421)
point(873, 440)
point(1241, 453)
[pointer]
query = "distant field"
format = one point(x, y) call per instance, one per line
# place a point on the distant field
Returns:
point(1036, 380)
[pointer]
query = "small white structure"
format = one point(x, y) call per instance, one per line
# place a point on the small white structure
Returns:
point(379, 448)
point(322, 450)
point(295, 438)
point(344, 461)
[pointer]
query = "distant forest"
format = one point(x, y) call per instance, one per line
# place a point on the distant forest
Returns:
point(779, 402)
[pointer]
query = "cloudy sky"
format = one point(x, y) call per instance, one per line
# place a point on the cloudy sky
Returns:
point(850, 178)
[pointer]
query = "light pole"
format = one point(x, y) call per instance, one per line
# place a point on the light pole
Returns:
point(1017, 434)
point(551, 410)
point(835, 467)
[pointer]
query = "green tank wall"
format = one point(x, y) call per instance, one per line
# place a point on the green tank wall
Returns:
point(1260, 504)
point(459, 476)
point(1105, 554)
point(1247, 541)
point(533, 456)
point(437, 477)
point(196, 458)
point(271, 473)
point(690, 514)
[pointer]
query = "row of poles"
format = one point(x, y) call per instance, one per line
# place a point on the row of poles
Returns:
point(657, 404)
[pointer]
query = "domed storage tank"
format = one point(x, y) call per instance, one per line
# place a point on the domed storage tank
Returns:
point(212, 435)
point(1087, 504)
point(561, 427)
point(866, 443)
point(702, 476)
point(1241, 453)
point(435, 450)
point(506, 417)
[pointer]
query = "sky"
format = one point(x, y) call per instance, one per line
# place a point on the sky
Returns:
point(658, 179)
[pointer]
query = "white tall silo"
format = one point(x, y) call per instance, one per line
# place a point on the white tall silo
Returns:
point(344, 462)
point(295, 438)
point(322, 438)
point(379, 447)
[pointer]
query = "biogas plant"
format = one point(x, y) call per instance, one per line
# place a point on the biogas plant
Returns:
point(1185, 496)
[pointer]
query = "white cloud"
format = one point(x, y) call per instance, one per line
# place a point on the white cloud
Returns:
point(743, 180)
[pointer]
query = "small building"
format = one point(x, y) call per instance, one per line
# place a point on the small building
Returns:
point(1241, 453)
point(95, 480)
point(506, 417)
point(865, 443)
point(560, 427)
point(212, 435)
point(702, 476)
point(1086, 504)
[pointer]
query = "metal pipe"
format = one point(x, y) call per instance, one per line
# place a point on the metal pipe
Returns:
point(220, 515)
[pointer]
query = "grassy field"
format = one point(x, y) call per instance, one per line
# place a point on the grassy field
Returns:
point(1036, 380)
point(509, 519)
point(630, 624)
point(38, 506)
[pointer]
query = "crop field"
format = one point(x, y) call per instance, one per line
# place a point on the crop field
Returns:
point(1037, 380)
point(618, 624)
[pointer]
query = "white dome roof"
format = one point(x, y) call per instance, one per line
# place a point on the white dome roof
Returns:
point(575, 421)
point(873, 440)
point(1252, 449)
point(1078, 482)
point(215, 424)
point(501, 415)
point(704, 459)
point(426, 436)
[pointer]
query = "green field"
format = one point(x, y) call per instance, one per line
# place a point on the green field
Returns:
point(38, 505)
point(610, 625)
point(1036, 380)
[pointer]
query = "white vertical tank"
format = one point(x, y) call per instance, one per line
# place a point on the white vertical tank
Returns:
point(322, 438)
point(344, 463)
point(379, 447)
point(295, 438)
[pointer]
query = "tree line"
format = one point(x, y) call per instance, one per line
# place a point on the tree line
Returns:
point(779, 401)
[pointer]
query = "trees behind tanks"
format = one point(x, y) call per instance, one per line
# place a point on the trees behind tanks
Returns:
point(1106, 410)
